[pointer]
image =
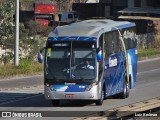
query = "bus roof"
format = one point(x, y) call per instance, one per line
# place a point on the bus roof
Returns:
point(90, 28)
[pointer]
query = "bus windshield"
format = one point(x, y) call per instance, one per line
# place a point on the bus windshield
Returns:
point(74, 60)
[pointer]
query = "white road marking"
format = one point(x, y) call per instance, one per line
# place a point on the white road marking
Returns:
point(149, 71)
point(149, 60)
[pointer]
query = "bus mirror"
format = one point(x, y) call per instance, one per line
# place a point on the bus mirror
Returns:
point(99, 56)
point(40, 57)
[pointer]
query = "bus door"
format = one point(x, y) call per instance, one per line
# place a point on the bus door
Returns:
point(101, 62)
point(114, 69)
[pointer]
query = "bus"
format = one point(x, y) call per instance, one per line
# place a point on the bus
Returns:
point(90, 60)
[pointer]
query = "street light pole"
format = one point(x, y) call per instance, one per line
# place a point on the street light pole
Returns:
point(16, 36)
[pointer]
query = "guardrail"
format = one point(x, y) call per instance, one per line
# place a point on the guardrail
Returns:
point(139, 109)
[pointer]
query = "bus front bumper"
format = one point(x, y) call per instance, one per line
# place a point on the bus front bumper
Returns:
point(93, 94)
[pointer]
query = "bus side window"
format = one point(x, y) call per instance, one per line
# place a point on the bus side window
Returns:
point(108, 44)
point(116, 42)
point(112, 43)
point(129, 38)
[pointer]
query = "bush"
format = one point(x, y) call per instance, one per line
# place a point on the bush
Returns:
point(157, 36)
point(26, 67)
point(34, 28)
point(148, 52)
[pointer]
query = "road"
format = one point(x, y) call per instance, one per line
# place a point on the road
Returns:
point(26, 94)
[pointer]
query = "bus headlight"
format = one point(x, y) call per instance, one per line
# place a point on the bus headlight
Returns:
point(89, 87)
point(52, 88)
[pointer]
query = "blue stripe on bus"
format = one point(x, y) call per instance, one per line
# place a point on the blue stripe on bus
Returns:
point(114, 80)
point(87, 38)
point(78, 37)
point(70, 88)
point(72, 38)
point(121, 61)
point(55, 38)
point(65, 38)
point(118, 83)
point(121, 79)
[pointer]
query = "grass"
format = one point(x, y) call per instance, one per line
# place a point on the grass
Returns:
point(25, 68)
point(151, 52)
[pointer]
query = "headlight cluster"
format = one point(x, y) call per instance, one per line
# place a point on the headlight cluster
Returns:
point(89, 87)
point(51, 87)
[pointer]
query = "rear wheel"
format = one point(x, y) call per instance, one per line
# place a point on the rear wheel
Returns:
point(128, 90)
point(100, 101)
point(55, 102)
point(125, 93)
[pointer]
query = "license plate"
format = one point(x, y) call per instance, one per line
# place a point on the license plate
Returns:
point(69, 95)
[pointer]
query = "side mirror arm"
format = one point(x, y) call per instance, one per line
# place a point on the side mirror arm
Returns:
point(40, 56)
point(41, 50)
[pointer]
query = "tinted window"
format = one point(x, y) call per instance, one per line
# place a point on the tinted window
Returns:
point(112, 43)
point(70, 16)
point(129, 38)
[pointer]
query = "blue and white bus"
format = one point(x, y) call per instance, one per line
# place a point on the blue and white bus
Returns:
point(90, 60)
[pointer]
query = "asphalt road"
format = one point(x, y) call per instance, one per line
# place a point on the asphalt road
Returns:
point(24, 97)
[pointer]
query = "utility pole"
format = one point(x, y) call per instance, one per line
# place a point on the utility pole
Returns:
point(16, 36)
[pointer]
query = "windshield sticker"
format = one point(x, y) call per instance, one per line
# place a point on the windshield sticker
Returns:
point(49, 52)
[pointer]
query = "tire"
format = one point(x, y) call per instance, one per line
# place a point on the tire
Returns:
point(128, 90)
point(125, 93)
point(100, 101)
point(55, 102)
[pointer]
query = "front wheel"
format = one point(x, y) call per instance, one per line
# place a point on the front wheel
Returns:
point(100, 101)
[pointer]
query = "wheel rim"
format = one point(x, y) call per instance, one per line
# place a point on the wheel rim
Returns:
point(127, 89)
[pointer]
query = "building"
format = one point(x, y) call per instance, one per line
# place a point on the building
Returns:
point(144, 3)
point(135, 7)
point(115, 5)
point(142, 8)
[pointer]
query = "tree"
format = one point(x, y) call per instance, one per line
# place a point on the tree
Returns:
point(6, 30)
point(31, 39)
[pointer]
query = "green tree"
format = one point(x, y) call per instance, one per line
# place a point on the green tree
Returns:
point(6, 30)
point(31, 40)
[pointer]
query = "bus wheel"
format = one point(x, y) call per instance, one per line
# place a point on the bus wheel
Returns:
point(55, 102)
point(126, 90)
point(100, 101)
